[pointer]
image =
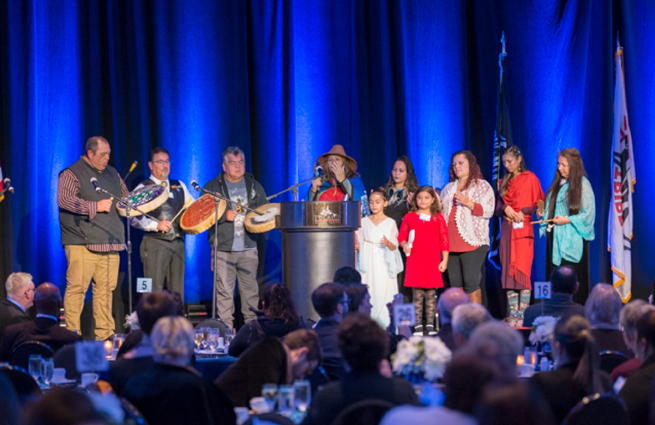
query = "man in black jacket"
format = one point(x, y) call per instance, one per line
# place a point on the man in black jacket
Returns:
point(20, 297)
point(564, 283)
point(45, 328)
point(364, 345)
point(637, 391)
point(237, 249)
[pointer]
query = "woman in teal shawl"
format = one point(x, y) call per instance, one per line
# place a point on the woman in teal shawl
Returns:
point(571, 205)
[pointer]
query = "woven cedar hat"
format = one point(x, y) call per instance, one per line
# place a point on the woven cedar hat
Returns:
point(338, 150)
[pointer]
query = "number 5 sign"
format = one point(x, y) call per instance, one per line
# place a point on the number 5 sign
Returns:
point(144, 284)
point(542, 290)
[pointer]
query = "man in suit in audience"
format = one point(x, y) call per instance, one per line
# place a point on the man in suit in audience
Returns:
point(637, 391)
point(331, 303)
point(564, 283)
point(150, 308)
point(20, 297)
point(364, 346)
point(270, 361)
point(45, 328)
point(602, 309)
point(466, 318)
point(451, 298)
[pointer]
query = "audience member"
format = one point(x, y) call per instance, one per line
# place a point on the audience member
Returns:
point(45, 328)
point(150, 308)
point(364, 346)
point(578, 371)
point(465, 378)
point(331, 303)
point(271, 361)
point(602, 310)
point(630, 314)
point(170, 391)
point(513, 404)
point(500, 344)
point(451, 298)
point(280, 317)
point(347, 274)
point(467, 317)
point(20, 297)
point(359, 299)
point(62, 406)
point(637, 391)
point(564, 283)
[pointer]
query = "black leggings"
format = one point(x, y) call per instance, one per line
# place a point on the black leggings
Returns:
point(465, 268)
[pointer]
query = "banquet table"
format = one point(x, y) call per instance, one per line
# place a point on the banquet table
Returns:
point(211, 367)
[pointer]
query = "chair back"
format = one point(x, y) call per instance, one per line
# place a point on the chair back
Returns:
point(132, 415)
point(20, 355)
point(365, 412)
point(65, 358)
point(23, 383)
point(213, 323)
point(269, 418)
point(598, 409)
point(611, 359)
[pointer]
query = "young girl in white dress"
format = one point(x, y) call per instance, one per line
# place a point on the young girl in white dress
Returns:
point(378, 258)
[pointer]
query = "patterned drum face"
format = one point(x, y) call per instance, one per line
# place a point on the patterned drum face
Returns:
point(200, 215)
point(146, 199)
point(256, 223)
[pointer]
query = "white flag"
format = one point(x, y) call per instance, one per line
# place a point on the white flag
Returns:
point(623, 180)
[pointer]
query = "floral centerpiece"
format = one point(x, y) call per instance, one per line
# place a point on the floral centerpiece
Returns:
point(542, 328)
point(420, 356)
point(132, 321)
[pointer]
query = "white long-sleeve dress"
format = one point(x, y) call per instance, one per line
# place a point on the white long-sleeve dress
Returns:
point(379, 265)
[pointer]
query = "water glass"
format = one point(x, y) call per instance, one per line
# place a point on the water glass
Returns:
point(35, 366)
point(212, 338)
point(118, 340)
point(198, 336)
point(285, 402)
point(47, 369)
point(303, 394)
point(229, 336)
point(269, 392)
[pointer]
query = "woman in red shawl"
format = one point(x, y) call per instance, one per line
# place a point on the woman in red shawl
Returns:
point(519, 191)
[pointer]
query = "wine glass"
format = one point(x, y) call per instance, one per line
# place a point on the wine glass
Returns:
point(269, 392)
point(303, 394)
point(35, 366)
point(47, 369)
point(198, 336)
point(205, 335)
point(229, 336)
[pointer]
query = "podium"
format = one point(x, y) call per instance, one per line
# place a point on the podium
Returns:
point(317, 239)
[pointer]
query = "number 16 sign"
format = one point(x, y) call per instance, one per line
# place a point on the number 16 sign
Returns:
point(542, 290)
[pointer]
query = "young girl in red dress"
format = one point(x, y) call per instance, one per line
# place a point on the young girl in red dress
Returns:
point(424, 239)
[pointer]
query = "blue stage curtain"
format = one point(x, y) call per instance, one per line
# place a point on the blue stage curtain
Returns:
point(284, 80)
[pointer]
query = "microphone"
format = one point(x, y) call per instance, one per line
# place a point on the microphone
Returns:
point(94, 182)
point(196, 186)
point(7, 182)
point(320, 172)
point(134, 164)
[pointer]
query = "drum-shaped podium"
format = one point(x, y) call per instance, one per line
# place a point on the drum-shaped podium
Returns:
point(317, 239)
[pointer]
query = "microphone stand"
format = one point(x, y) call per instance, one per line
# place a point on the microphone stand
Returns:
point(128, 245)
point(293, 188)
point(217, 199)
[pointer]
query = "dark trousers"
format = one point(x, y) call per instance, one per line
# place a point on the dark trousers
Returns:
point(163, 261)
point(465, 268)
point(581, 269)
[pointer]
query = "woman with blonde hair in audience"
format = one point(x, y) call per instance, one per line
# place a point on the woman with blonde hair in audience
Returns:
point(578, 372)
